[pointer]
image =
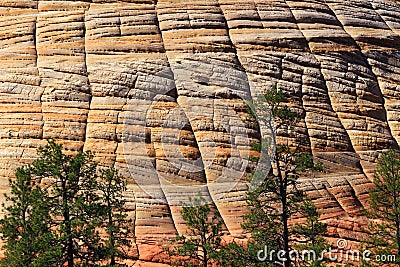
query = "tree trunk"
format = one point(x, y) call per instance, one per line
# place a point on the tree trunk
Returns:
point(285, 232)
point(284, 217)
point(398, 241)
point(70, 253)
point(398, 235)
point(67, 221)
point(397, 220)
point(111, 234)
point(205, 256)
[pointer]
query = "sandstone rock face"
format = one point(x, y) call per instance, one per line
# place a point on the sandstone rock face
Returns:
point(158, 89)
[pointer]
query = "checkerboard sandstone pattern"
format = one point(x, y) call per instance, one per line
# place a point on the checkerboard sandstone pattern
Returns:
point(87, 73)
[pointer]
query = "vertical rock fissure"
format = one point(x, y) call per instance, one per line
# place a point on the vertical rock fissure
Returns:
point(308, 50)
point(375, 78)
point(325, 87)
point(340, 120)
point(239, 63)
point(207, 192)
point(298, 28)
point(35, 43)
point(35, 37)
point(374, 7)
point(341, 123)
point(155, 167)
point(86, 71)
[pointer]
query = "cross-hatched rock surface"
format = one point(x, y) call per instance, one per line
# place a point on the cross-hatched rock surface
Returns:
point(158, 89)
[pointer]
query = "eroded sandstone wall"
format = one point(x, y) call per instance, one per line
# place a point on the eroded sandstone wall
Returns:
point(158, 89)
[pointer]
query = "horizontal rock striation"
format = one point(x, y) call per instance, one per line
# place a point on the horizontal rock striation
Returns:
point(158, 89)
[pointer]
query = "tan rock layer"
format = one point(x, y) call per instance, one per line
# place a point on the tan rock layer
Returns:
point(159, 90)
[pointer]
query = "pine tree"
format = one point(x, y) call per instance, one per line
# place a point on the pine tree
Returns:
point(201, 245)
point(74, 204)
point(308, 235)
point(25, 228)
point(59, 206)
point(117, 225)
point(278, 198)
point(384, 229)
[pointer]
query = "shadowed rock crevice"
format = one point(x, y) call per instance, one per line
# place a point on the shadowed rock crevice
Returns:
point(20, 87)
point(85, 60)
point(181, 170)
point(205, 80)
point(368, 89)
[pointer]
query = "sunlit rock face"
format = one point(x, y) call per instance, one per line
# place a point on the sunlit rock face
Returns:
point(158, 89)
